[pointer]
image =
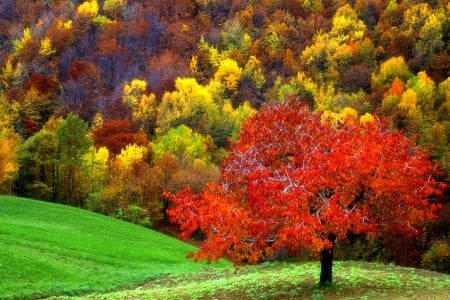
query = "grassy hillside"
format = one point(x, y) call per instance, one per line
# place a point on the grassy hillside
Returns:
point(48, 249)
point(294, 280)
point(54, 250)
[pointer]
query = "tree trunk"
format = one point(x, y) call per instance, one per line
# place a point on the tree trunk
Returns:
point(326, 264)
point(326, 267)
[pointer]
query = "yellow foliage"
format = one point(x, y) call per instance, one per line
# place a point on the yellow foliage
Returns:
point(60, 24)
point(101, 20)
point(95, 162)
point(132, 154)
point(229, 74)
point(135, 88)
point(7, 74)
point(348, 112)
point(97, 121)
point(366, 118)
point(46, 47)
point(394, 67)
point(346, 25)
point(143, 106)
point(408, 102)
point(189, 100)
point(146, 108)
point(254, 71)
point(9, 165)
point(20, 43)
point(193, 64)
point(88, 8)
point(9, 112)
point(53, 124)
point(185, 27)
point(246, 43)
point(415, 16)
point(324, 97)
point(330, 117)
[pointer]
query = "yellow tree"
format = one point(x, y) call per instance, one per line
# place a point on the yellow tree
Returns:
point(329, 54)
point(20, 45)
point(229, 75)
point(254, 72)
point(415, 17)
point(134, 188)
point(389, 70)
point(143, 106)
point(425, 89)
point(88, 8)
point(190, 104)
point(346, 25)
point(9, 141)
point(9, 112)
point(46, 48)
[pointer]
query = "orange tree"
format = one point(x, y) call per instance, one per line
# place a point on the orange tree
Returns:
point(295, 181)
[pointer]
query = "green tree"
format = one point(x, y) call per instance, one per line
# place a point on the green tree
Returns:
point(425, 89)
point(95, 169)
point(38, 174)
point(185, 144)
point(431, 36)
point(232, 34)
point(73, 144)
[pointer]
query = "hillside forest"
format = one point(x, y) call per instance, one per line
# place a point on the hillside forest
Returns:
point(106, 104)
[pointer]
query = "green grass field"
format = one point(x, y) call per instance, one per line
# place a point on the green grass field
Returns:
point(60, 252)
point(294, 280)
point(48, 249)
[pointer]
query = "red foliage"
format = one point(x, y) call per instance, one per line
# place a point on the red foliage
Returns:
point(42, 83)
point(294, 182)
point(117, 134)
point(78, 69)
point(30, 126)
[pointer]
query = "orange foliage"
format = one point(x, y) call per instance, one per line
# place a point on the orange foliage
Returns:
point(397, 87)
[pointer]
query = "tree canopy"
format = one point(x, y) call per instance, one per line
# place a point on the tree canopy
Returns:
point(296, 181)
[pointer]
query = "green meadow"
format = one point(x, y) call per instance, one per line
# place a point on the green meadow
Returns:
point(60, 252)
point(48, 249)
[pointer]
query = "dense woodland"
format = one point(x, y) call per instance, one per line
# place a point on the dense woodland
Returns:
point(106, 104)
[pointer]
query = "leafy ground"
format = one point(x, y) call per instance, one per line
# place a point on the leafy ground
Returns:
point(48, 249)
point(293, 280)
point(55, 251)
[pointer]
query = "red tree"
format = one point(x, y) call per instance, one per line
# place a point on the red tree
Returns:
point(117, 134)
point(294, 182)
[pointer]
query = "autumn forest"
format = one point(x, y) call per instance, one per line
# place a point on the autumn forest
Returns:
point(116, 106)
